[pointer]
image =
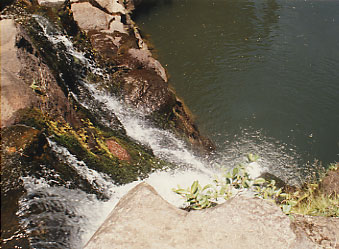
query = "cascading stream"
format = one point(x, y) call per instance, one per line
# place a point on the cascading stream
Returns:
point(75, 214)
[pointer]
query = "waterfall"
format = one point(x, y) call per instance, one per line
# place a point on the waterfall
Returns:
point(69, 216)
point(75, 214)
point(163, 143)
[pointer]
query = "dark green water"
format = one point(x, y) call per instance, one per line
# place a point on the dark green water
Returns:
point(258, 75)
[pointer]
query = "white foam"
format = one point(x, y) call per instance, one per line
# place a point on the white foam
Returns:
point(56, 37)
point(163, 143)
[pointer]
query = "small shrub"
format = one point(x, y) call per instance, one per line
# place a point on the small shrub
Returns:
point(307, 200)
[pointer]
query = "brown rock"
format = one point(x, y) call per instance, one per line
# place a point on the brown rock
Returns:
point(99, 20)
point(330, 183)
point(112, 6)
point(147, 90)
point(142, 219)
point(46, 92)
point(147, 61)
point(184, 123)
point(117, 25)
point(106, 44)
point(89, 17)
point(18, 137)
point(117, 150)
point(323, 231)
point(15, 93)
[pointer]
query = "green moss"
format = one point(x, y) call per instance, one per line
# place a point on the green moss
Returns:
point(99, 157)
point(32, 117)
point(120, 171)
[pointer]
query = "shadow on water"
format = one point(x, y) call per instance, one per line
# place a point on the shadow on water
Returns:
point(145, 7)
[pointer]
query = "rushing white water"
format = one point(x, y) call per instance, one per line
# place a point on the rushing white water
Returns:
point(163, 143)
point(78, 214)
point(57, 37)
point(85, 212)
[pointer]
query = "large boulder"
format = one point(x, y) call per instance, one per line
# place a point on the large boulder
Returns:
point(142, 219)
point(99, 20)
point(15, 93)
point(147, 90)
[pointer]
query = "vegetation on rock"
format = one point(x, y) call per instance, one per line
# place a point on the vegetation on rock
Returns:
point(307, 200)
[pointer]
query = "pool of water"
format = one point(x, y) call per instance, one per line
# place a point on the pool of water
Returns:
point(259, 76)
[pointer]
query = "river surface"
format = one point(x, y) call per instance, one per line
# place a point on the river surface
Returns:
point(259, 76)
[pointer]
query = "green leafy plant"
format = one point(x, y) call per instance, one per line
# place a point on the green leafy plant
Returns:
point(231, 183)
point(306, 200)
point(195, 196)
point(252, 157)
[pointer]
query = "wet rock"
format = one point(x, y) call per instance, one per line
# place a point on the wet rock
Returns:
point(27, 154)
point(330, 183)
point(279, 183)
point(15, 93)
point(51, 3)
point(142, 219)
point(146, 90)
point(184, 123)
point(117, 150)
point(106, 44)
point(138, 77)
point(147, 61)
point(49, 92)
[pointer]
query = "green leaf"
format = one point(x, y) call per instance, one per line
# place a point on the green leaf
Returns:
point(247, 184)
point(180, 191)
point(252, 158)
point(194, 187)
point(235, 171)
point(206, 187)
point(259, 181)
point(228, 175)
point(284, 195)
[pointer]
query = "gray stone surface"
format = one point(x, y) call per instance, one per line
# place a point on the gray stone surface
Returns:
point(142, 219)
point(15, 93)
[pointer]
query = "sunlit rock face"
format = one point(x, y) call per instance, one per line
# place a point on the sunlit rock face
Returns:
point(142, 219)
point(15, 92)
